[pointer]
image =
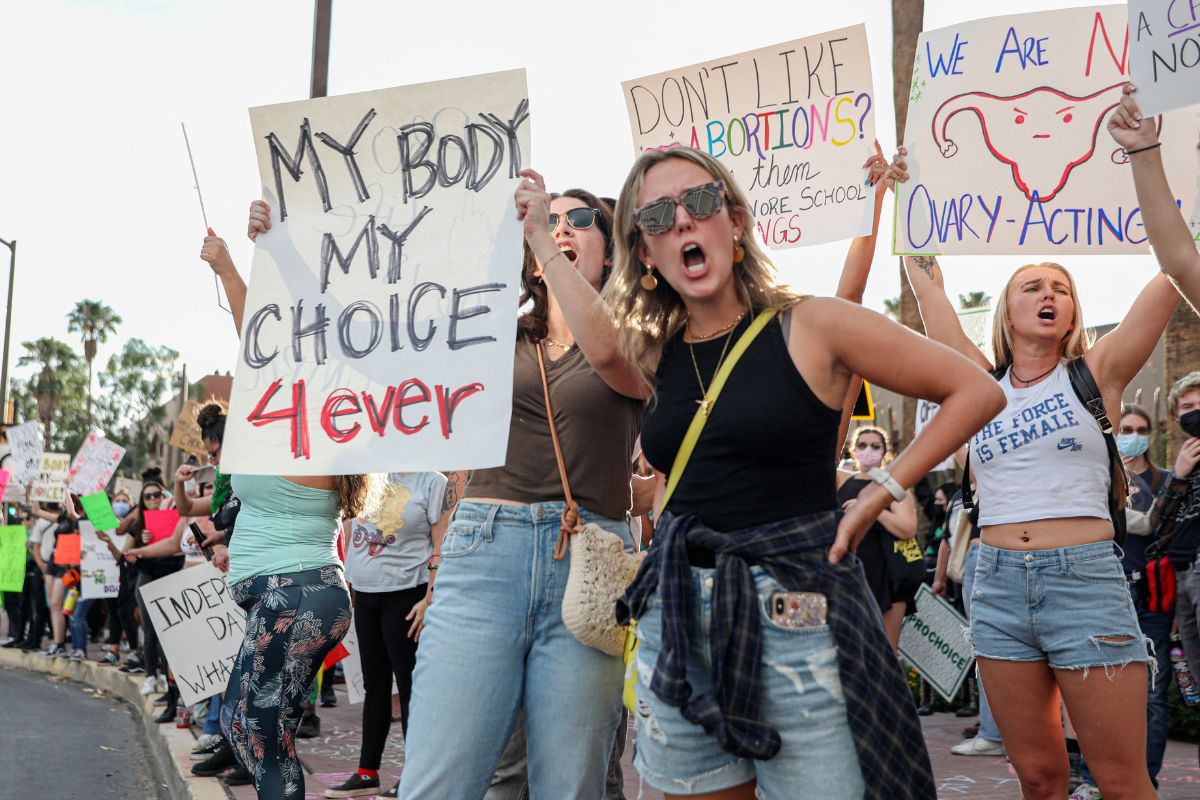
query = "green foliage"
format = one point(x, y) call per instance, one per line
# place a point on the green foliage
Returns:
point(891, 307)
point(61, 380)
point(136, 382)
point(973, 300)
point(93, 321)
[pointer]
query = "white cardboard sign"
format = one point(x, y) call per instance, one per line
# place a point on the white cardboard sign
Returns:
point(933, 642)
point(1164, 53)
point(50, 485)
point(94, 465)
point(200, 628)
point(99, 575)
point(1007, 147)
point(793, 122)
point(381, 311)
point(25, 441)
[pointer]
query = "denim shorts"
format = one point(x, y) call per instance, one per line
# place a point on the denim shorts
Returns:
point(1070, 607)
point(801, 697)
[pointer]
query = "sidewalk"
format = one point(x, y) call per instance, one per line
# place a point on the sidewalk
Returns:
point(333, 757)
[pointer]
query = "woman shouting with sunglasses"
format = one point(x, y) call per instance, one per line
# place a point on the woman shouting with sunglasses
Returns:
point(494, 643)
point(763, 664)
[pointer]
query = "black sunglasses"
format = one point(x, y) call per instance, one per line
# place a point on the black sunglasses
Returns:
point(152, 495)
point(578, 218)
point(700, 201)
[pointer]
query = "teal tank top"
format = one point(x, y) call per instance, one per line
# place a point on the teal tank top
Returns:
point(282, 527)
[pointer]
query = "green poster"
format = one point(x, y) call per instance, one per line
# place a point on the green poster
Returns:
point(12, 558)
point(99, 511)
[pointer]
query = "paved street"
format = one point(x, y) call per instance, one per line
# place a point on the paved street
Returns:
point(64, 739)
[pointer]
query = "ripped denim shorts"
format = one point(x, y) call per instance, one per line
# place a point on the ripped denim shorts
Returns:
point(1070, 607)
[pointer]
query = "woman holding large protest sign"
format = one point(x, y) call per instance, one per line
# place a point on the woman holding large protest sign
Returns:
point(285, 572)
point(498, 601)
point(1051, 612)
point(746, 573)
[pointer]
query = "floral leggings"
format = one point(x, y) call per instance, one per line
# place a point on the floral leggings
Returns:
point(293, 620)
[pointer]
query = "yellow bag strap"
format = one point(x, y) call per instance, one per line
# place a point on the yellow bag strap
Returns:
point(693, 432)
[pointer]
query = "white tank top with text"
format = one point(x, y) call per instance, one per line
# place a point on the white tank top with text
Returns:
point(1042, 457)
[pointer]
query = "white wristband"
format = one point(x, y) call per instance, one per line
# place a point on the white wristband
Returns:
point(885, 479)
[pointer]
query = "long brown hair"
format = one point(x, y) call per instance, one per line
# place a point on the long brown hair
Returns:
point(646, 320)
point(359, 495)
point(534, 323)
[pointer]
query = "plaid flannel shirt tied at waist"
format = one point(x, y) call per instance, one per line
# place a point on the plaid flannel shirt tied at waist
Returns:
point(883, 722)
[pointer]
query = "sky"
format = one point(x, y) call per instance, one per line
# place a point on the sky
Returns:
point(99, 194)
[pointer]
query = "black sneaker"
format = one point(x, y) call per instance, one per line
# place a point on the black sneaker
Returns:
point(217, 763)
point(239, 777)
point(355, 787)
point(309, 727)
point(392, 792)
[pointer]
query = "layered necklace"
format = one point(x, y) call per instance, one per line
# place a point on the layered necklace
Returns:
point(704, 403)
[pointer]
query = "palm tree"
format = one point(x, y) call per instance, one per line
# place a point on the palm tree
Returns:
point(54, 357)
point(891, 307)
point(908, 18)
point(94, 321)
point(974, 300)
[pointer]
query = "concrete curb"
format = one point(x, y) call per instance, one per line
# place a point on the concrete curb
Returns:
point(169, 746)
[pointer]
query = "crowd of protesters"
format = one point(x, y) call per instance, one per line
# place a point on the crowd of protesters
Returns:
point(769, 608)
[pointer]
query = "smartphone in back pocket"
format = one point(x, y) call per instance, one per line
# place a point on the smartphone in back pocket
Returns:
point(799, 609)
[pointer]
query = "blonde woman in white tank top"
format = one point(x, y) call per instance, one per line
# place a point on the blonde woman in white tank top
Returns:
point(1052, 613)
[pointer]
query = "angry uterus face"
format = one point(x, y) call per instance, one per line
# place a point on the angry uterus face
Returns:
point(1042, 134)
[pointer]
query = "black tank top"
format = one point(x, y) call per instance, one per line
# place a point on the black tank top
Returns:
point(871, 552)
point(767, 452)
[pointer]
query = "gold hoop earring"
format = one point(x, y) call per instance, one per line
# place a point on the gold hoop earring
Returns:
point(648, 281)
point(739, 252)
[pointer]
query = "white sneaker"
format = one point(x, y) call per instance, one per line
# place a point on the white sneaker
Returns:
point(978, 747)
point(78, 655)
point(53, 650)
point(1085, 791)
point(162, 683)
point(149, 686)
point(206, 745)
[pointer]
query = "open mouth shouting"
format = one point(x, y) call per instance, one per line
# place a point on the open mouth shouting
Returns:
point(695, 265)
point(1047, 313)
point(569, 251)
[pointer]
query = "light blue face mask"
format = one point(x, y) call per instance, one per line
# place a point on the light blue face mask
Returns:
point(1132, 445)
point(120, 508)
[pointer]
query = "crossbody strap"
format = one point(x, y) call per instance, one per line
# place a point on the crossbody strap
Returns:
point(570, 515)
point(693, 432)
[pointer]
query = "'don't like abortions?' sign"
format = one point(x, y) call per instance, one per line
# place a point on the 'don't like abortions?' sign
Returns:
point(381, 313)
point(793, 123)
point(1008, 150)
point(199, 626)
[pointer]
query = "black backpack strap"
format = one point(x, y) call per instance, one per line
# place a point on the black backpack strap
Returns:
point(1084, 384)
point(968, 496)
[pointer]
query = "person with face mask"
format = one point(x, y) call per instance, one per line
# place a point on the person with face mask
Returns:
point(896, 523)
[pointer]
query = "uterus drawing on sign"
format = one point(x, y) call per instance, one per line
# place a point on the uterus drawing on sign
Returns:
point(1042, 134)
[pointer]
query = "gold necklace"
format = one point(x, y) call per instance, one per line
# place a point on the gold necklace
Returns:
point(718, 332)
point(704, 403)
point(566, 348)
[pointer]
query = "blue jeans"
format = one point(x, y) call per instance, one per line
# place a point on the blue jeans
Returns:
point(494, 644)
point(1156, 626)
point(212, 722)
point(79, 624)
point(988, 729)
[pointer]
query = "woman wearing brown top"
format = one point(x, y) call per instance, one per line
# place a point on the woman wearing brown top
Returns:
point(494, 644)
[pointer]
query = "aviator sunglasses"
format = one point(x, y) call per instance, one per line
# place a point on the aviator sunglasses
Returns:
point(700, 201)
point(578, 218)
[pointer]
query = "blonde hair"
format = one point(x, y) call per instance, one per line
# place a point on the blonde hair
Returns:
point(646, 320)
point(887, 442)
point(1181, 387)
point(1075, 343)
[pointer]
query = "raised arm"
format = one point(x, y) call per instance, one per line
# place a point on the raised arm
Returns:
point(861, 254)
point(1169, 236)
point(216, 253)
point(189, 506)
point(581, 305)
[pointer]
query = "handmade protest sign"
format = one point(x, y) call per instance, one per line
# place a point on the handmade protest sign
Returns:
point(160, 524)
point(130, 485)
point(199, 626)
point(186, 433)
point(94, 465)
point(99, 511)
point(12, 558)
point(1164, 53)
point(793, 123)
point(932, 641)
point(25, 441)
point(1007, 147)
point(66, 549)
point(99, 574)
point(926, 411)
point(13, 492)
point(381, 312)
point(50, 485)
point(4, 478)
